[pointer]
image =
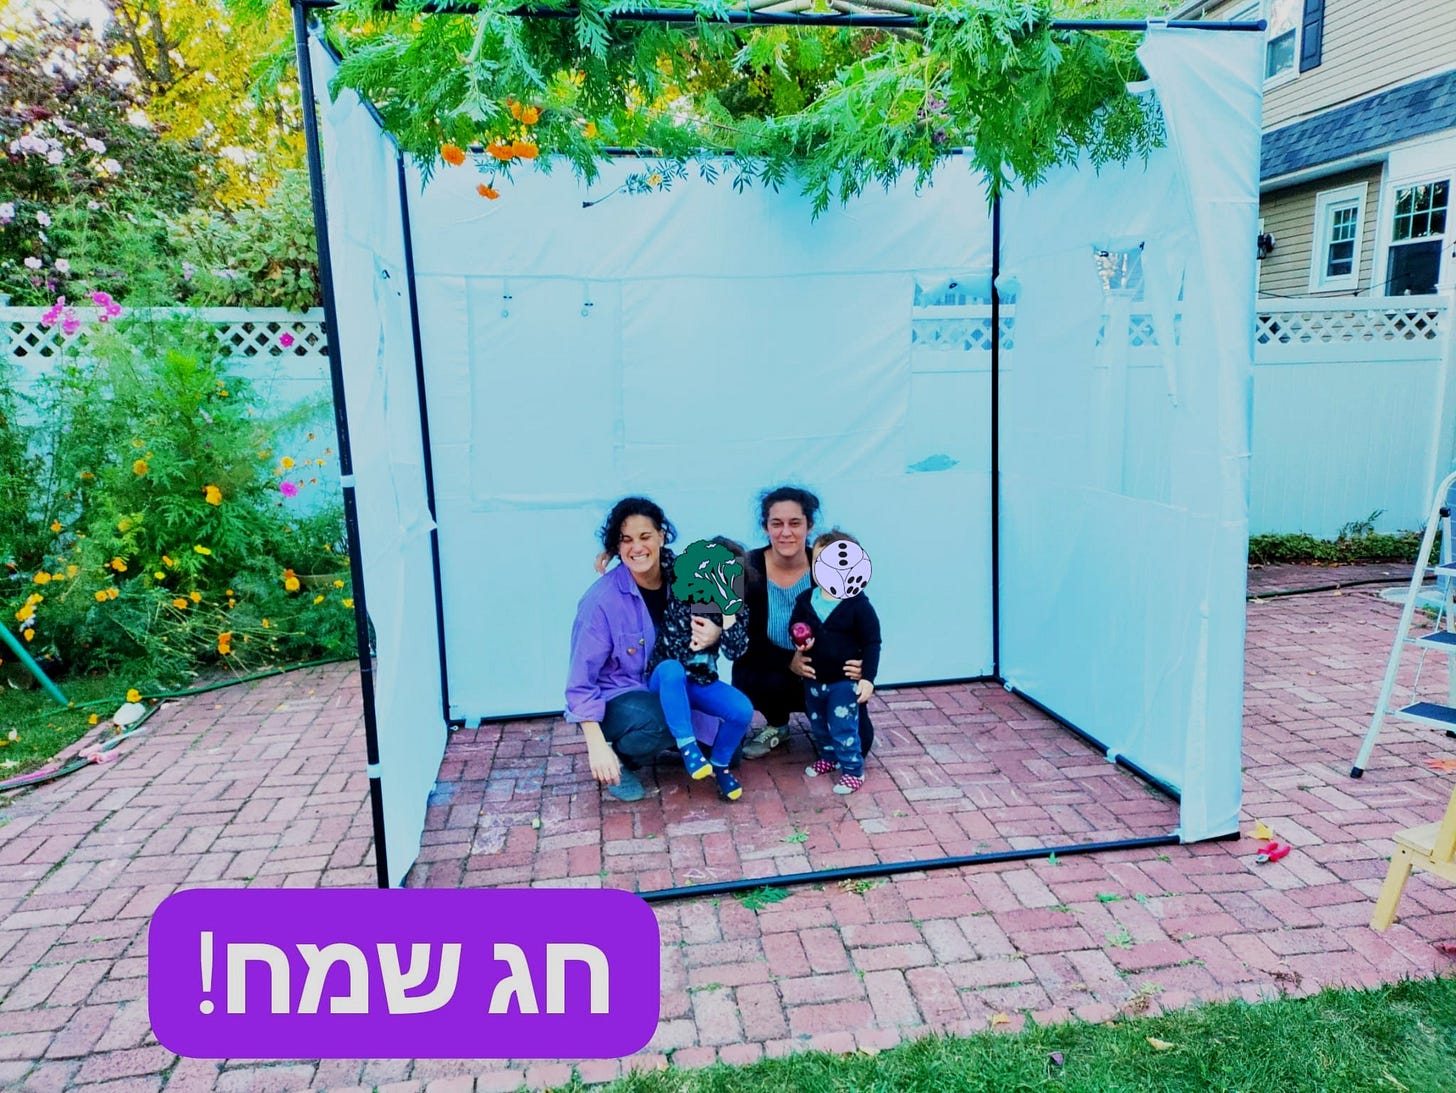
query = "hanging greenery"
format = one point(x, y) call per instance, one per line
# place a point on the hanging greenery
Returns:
point(831, 109)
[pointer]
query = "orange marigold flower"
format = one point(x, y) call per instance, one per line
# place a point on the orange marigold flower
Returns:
point(501, 151)
point(93, 719)
point(515, 108)
point(169, 562)
point(212, 494)
point(133, 695)
point(195, 596)
point(180, 603)
point(266, 624)
point(531, 115)
point(72, 570)
point(525, 149)
point(118, 564)
point(159, 575)
point(291, 583)
point(42, 578)
point(139, 467)
point(101, 596)
point(56, 526)
point(488, 192)
point(452, 154)
point(286, 462)
point(318, 599)
point(348, 603)
point(338, 584)
point(590, 131)
point(112, 593)
point(200, 549)
point(87, 475)
point(28, 634)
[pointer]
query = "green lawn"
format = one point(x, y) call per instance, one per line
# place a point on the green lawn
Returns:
point(1397, 1039)
point(43, 728)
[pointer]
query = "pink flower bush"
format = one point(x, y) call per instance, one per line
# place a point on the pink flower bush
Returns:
point(110, 309)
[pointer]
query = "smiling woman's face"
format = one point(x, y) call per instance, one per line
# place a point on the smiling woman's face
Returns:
point(639, 545)
point(787, 530)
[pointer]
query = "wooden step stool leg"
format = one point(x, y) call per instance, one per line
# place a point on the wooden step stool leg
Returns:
point(1395, 878)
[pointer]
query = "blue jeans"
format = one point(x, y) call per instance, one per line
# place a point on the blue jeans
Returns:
point(834, 724)
point(679, 696)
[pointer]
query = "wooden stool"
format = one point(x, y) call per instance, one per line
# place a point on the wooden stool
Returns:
point(1430, 847)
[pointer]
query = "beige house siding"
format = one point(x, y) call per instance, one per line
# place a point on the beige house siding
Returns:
point(1288, 215)
point(1369, 45)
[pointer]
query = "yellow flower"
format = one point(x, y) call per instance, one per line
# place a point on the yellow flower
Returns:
point(223, 393)
point(230, 592)
point(123, 525)
point(101, 596)
point(112, 593)
point(200, 549)
point(139, 467)
point(92, 719)
point(133, 695)
point(195, 596)
point(654, 179)
point(58, 576)
point(338, 584)
point(266, 624)
point(136, 442)
point(28, 634)
point(180, 603)
point(349, 604)
point(72, 570)
point(291, 583)
point(318, 599)
point(55, 525)
point(42, 578)
point(232, 603)
point(213, 495)
point(160, 575)
point(590, 131)
point(118, 564)
point(287, 462)
point(168, 562)
point(86, 475)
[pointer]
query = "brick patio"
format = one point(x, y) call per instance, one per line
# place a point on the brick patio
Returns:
point(264, 785)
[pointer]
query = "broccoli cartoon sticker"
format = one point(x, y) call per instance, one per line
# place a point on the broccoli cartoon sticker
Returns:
point(842, 569)
point(708, 572)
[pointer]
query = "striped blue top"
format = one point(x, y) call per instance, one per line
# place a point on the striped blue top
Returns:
point(780, 607)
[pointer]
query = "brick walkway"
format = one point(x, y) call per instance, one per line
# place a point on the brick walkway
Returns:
point(264, 785)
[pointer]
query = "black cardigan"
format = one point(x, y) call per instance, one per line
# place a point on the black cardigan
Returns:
point(851, 632)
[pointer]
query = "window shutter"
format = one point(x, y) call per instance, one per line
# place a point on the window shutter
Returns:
point(1313, 35)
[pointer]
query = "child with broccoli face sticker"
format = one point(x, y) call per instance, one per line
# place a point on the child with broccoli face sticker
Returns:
point(705, 615)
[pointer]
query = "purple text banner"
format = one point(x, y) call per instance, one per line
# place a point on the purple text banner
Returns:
point(348, 973)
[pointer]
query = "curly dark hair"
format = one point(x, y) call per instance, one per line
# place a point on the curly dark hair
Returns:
point(611, 531)
point(801, 497)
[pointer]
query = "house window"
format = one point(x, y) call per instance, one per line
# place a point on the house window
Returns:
point(1416, 235)
point(1281, 51)
point(1339, 216)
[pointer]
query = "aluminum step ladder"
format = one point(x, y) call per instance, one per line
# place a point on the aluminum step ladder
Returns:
point(1442, 637)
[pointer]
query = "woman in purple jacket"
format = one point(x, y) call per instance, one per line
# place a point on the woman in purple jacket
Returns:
point(612, 640)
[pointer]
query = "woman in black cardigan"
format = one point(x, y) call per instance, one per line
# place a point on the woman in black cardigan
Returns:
point(771, 673)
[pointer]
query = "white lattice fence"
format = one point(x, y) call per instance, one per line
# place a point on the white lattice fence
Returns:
point(246, 334)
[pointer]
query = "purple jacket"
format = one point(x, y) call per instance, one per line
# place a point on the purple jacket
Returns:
point(610, 642)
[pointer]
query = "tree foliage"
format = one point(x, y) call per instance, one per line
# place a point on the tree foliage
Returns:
point(836, 108)
point(199, 71)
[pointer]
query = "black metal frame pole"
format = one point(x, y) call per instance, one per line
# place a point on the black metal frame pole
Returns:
point(995, 439)
point(889, 869)
point(748, 17)
point(341, 423)
point(428, 461)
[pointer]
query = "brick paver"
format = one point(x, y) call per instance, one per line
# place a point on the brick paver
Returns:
point(264, 784)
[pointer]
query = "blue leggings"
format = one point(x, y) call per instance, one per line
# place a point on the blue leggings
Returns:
point(833, 710)
point(679, 696)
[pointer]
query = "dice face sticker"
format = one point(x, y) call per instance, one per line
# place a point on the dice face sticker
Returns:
point(842, 569)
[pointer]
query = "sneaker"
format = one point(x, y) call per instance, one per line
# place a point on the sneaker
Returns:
point(764, 741)
point(629, 788)
point(847, 783)
point(729, 787)
point(821, 766)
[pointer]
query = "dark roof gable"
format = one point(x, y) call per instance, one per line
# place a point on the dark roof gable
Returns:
point(1403, 113)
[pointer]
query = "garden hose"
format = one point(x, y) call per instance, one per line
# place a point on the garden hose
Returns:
point(92, 755)
point(1253, 596)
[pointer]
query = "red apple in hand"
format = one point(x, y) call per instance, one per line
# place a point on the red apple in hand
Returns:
point(800, 633)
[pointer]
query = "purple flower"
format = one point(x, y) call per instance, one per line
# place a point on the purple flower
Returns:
point(288, 489)
point(285, 340)
point(101, 299)
point(70, 324)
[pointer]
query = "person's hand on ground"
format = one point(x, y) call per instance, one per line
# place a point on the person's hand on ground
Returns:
point(863, 689)
point(800, 664)
point(606, 768)
point(705, 633)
